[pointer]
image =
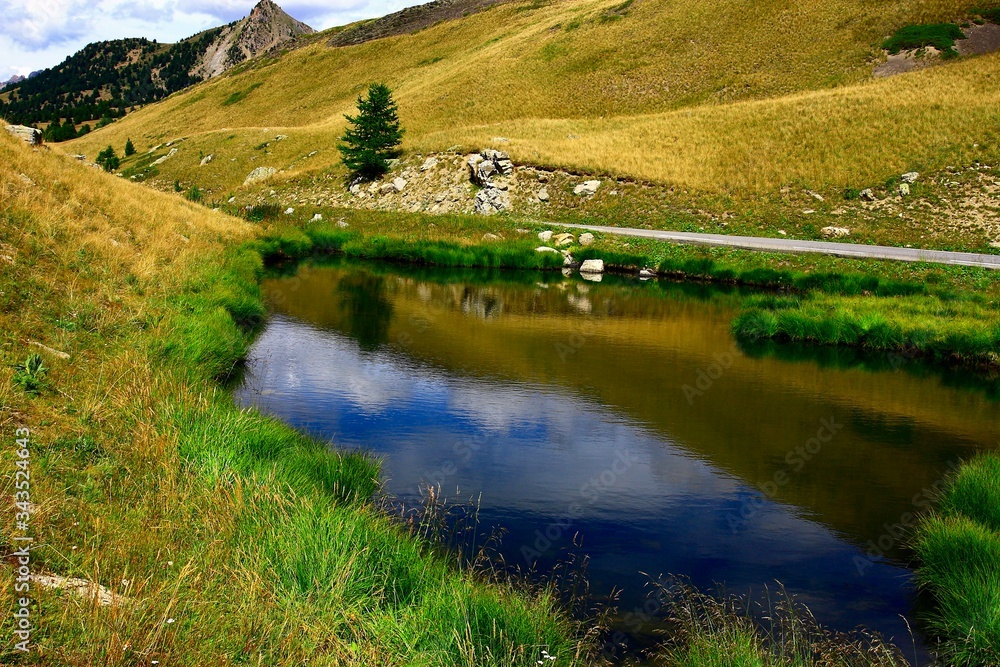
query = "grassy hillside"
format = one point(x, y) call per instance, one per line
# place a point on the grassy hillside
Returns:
point(651, 89)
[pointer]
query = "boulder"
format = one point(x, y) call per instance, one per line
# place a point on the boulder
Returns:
point(647, 273)
point(910, 177)
point(543, 195)
point(398, 184)
point(490, 236)
point(867, 195)
point(317, 218)
point(563, 239)
point(904, 189)
point(544, 248)
point(81, 158)
point(260, 174)
point(491, 200)
point(205, 160)
point(545, 236)
point(587, 188)
point(27, 134)
point(355, 189)
point(586, 238)
point(429, 164)
point(161, 160)
point(592, 266)
point(281, 137)
point(500, 160)
point(835, 232)
point(289, 210)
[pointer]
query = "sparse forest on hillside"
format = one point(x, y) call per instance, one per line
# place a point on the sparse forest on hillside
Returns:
point(103, 81)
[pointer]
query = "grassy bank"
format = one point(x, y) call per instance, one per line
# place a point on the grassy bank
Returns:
point(959, 549)
point(220, 536)
point(944, 314)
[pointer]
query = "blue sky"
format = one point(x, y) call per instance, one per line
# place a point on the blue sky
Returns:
point(35, 34)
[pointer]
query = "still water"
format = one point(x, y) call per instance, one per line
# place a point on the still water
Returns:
point(623, 416)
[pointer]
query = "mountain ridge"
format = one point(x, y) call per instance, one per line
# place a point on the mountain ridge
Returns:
point(105, 80)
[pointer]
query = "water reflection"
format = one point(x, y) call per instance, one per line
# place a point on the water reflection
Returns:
point(568, 410)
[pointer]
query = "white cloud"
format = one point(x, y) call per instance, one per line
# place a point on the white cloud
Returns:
point(34, 25)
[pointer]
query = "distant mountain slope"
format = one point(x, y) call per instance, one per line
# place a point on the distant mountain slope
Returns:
point(106, 79)
point(698, 93)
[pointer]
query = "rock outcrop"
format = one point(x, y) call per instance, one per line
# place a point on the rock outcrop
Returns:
point(28, 134)
point(266, 28)
point(260, 174)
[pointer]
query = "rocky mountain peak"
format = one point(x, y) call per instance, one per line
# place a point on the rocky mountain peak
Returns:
point(266, 28)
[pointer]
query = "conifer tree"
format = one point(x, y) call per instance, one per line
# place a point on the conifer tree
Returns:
point(129, 148)
point(374, 135)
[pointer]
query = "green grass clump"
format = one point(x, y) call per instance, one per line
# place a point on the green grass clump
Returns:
point(729, 631)
point(961, 568)
point(941, 36)
point(975, 492)
point(932, 326)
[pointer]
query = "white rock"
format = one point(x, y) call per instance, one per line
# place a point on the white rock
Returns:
point(592, 266)
point(587, 188)
point(289, 210)
point(161, 160)
point(342, 223)
point(490, 236)
point(867, 195)
point(586, 238)
point(543, 194)
point(647, 273)
point(563, 239)
point(545, 236)
point(232, 199)
point(544, 248)
point(355, 189)
point(281, 137)
point(910, 177)
point(398, 184)
point(904, 189)
point(835, 232)
point(429, 164)
point(318, 217)
point(205, 160)
point(260, 174)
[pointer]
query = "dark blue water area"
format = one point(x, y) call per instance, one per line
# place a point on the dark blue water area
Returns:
point(551, 466)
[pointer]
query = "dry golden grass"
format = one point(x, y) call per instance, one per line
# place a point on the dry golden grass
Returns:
point(692, 92)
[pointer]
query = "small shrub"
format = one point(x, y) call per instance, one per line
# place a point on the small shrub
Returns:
point(30, 376)
point(108, 159)
point(194, 194)
point(941, 36)
point(129, 148)
point(850, 194)
point(262, 212)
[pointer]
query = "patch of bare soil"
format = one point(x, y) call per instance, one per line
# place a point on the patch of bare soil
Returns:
point(980, 39)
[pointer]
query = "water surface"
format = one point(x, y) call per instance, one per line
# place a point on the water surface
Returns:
point(623, 416)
